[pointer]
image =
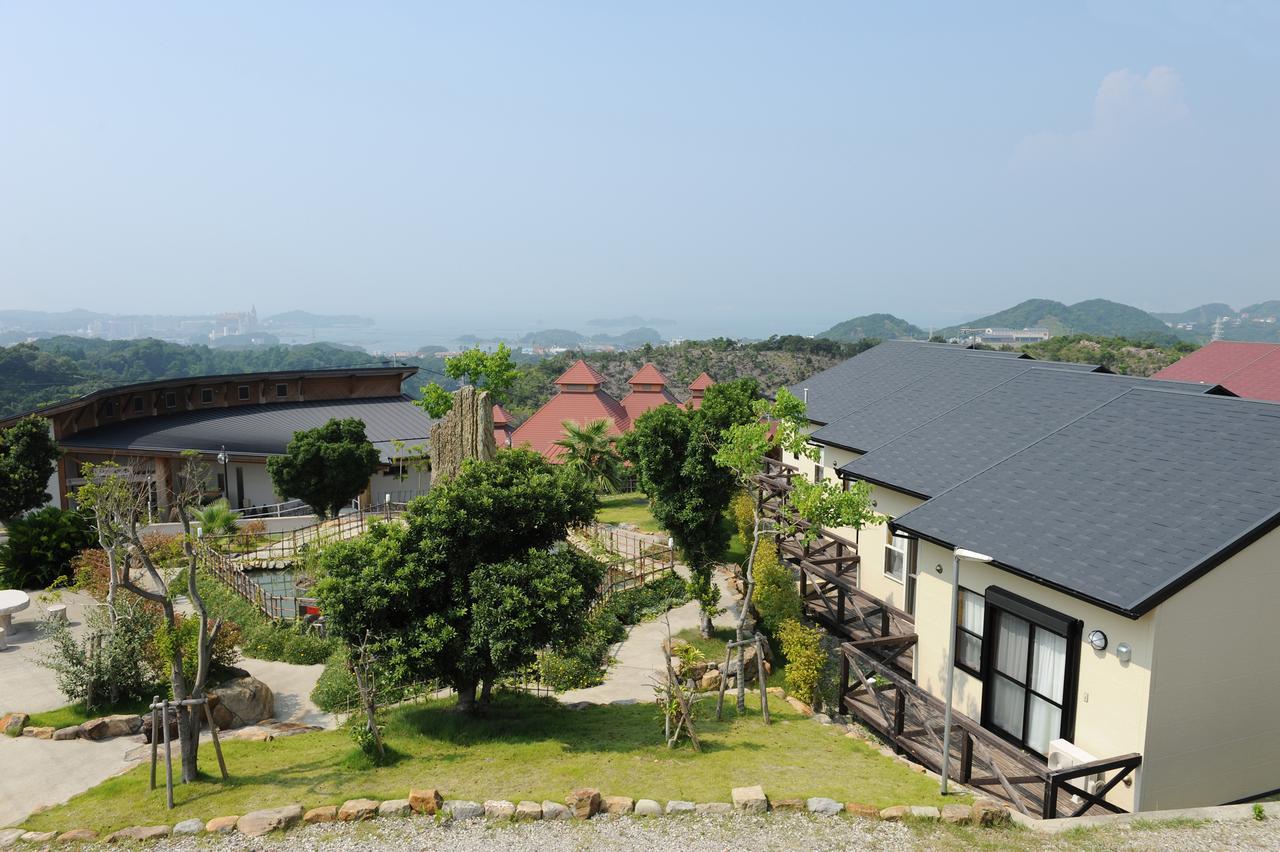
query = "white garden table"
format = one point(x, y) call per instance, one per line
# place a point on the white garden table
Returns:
point(11, 601)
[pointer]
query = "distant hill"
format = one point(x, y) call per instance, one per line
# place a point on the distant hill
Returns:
point(880, 326)
point(1203, 315)
point(1262, 309)
point(1259, 322)
point(310, 320)
point(1094, 316)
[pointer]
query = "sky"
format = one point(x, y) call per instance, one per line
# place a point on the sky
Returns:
point(742, 168)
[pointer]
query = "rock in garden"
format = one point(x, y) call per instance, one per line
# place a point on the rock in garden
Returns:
point(822, 806)
point(895, 813)
point(618, 805)
point(138, 833)
point(821, 718)
point(221, 825)
point(750, 799)
point(243, 701)
point(38, 836)
point(78, 835)
point(958, 814)
point(394, 808)
point(13, 723)
point(173, 728)
point(924, 812)
point(648, 807)
point(189, 826)
point(710, 680)
point(111, 726)
point(325, 813)
point(355, 810)
point(787, 804)
point(71, 732)
point(862, 809)
point(528, 811)
point(40, 732)
point(463, 809)
point(679, 806)
point(713, 808)
point(555, 810)
point(499, 809)
point(988, 813)
point(584, 803)
point(425, 800)
point(258, 823)
point(9, 837)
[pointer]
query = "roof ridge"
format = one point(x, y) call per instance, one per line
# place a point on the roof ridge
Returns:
point(1270, 351)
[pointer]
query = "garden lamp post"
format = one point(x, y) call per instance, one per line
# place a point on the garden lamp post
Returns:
point(956, 556)
point(226, 484)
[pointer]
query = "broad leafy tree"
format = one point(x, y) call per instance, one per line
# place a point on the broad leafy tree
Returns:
point(326, 467)
point(673, 454)
point(474, 582)
point(28, 458)
point(590, 451)
point(492, 371)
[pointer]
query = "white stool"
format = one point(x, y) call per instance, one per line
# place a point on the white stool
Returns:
point(58, 612)
point(4, 639)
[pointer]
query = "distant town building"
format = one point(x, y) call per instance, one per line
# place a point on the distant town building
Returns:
point(1004, 336)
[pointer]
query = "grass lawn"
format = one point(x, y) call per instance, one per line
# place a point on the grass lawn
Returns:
point(525, 748)
point(630, 508)
point(75, 714)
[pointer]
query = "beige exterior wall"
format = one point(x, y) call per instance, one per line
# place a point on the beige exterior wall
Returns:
point(1213, 734)
point(871, 548)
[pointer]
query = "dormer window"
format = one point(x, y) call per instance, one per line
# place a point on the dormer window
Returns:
point(243, 393)
point(282, 389)
point(170, 400)
point(109, 408)
point(138, 404)
point(206, 396)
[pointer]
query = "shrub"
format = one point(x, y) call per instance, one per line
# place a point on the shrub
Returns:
point(120, 669)
point(743, 509)
point(91, 573)
point(41, 546)
point(802, 646)
point(336, 688)
point(224, 656)
point(217, 518)
point(776, 596)
point(260, 637)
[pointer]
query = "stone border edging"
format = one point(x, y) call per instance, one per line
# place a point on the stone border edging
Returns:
point(1218, 813)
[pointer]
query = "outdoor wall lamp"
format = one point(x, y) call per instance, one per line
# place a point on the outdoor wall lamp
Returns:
point(938, 567)
point(1098, 640)
point(1123, 652)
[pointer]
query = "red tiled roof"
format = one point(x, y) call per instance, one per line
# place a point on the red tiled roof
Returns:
point(701, 383)
point(648, 375)
point(581, 373)
point(500, 416)
point(541, 431)
point(639, 401)
point(1251, 370)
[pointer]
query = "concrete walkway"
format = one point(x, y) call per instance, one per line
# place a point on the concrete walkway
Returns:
point(26, 686)
point(639, 659)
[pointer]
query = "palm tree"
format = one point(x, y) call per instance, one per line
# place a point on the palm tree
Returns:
point(589, 450)
point(218, 518)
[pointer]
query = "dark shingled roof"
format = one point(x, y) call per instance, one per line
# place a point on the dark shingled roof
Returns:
point(886, 367)
point(261, 429)
point(940, 452)
point(1126, 504)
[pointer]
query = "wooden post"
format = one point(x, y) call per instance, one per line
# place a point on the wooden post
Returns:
point(899, 711)
point(966, 758)
point(724, 680)
point(155, 739)
point(168, 755)
point(764, 689)
point(213, 733)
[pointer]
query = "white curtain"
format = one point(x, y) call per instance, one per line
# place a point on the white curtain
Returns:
point(1048, 664)
point(971, 611)
point(1044, 723)
point(1012, 640)
point(1007, 705)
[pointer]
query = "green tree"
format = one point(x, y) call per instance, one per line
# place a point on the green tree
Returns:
point(28, 458)
point(474, 582)
point(326, 467)
point(590, 451)
point(40, 547)
point(673, 454)
point(492, 371)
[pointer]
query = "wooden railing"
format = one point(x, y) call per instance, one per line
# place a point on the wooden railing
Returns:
point(633, 559)
point(913, 720)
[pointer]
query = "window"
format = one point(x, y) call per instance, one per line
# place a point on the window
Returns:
point(109, 408)
point(282, 389)
point(170, 400)
point(969, 617)
point(138, 404)
point(817, 473)
point(896, 554)
point(206, 395)
point(1032, 659)
point(243, 392)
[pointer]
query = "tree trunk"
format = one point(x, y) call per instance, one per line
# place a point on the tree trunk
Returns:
point(467, 695)
point(189, 743)
point(705, 626)
point(486, 691)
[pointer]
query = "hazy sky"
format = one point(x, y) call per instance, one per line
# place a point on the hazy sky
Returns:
point(741, 167)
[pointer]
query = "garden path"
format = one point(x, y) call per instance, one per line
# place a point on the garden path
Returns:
point(639, 658)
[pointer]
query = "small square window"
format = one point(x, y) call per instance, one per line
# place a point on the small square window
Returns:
point(282, 389)
point(970, 614)
point(206, 395)
point(170, 400)
point(139, 404)
point(243, 392)
point(109, 408)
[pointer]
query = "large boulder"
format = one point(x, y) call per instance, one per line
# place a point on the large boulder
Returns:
point(111, 726)
point(425, 800)
point(585, 803)
point(13, 723)
point(173, 728)
point(355, 810)
point(242, 701)
point(750, 799)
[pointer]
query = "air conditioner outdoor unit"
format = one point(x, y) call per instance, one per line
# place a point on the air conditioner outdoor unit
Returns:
point(1064, 754)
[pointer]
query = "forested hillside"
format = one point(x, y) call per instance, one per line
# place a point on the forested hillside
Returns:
point(882, 326)
point(1118, 354)
point(1094, 316)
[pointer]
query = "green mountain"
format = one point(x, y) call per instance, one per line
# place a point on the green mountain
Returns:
point(881, 326)
point(1094, 316)
point(1262, 310)
point(1203, 315)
